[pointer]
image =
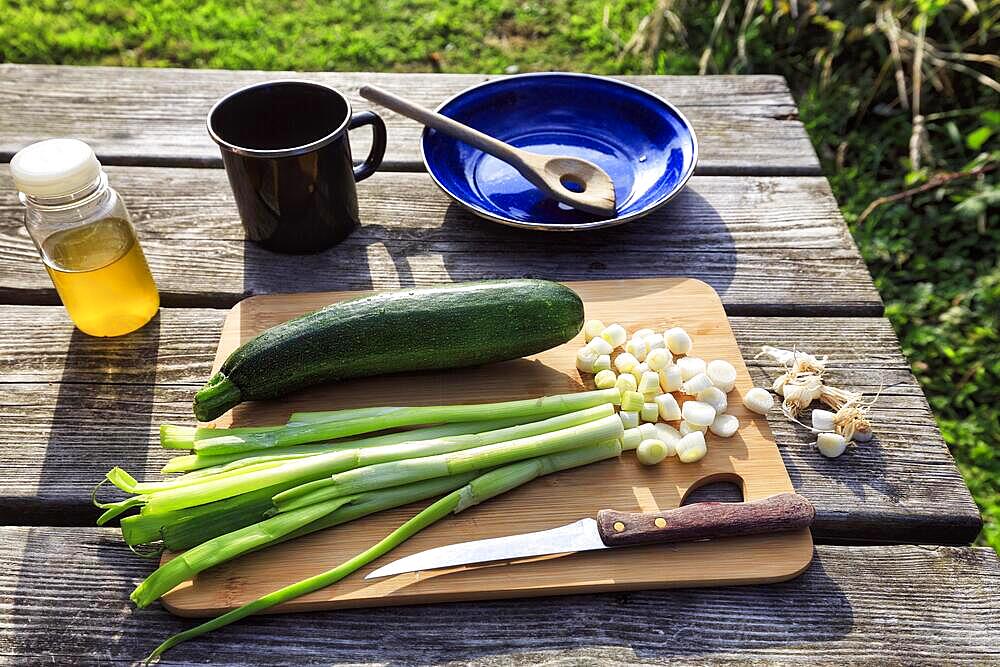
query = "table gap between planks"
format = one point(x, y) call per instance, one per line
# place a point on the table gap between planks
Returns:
point(758, 222)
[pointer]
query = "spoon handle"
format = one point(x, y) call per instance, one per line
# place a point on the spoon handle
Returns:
point(453, 128)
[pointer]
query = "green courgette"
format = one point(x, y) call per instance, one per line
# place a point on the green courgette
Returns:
point(406, 330)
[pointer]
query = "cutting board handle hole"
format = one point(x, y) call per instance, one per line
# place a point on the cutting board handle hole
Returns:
point(720, 488)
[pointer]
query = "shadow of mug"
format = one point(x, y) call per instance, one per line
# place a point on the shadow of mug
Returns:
point(287, 154)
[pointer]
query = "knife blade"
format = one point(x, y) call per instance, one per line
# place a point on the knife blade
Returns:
point(698, 521)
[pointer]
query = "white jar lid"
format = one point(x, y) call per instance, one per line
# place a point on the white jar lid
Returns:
point(54, 168)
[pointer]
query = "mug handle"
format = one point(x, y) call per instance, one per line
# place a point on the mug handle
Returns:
point(377, 152)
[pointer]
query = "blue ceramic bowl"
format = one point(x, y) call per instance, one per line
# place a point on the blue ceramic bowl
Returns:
point(646, 145)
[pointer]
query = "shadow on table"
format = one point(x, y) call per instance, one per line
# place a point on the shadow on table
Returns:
point(784, 620)
point(687, 237)
point(102, 417)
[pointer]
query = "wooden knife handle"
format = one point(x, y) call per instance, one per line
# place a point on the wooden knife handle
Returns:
point(699, 521)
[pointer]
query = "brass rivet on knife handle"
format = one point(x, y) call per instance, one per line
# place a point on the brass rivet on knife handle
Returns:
point(699, 521)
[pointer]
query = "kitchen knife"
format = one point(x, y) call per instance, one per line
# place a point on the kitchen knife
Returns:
point(698, 521)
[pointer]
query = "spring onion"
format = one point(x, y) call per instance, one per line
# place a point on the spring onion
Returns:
point(698, 413)
point(649, 382)
point(631, 401)
point(658, 359)
point(722, 374)
point(211, 464)
point(696, 384)
point(688, 427)
point(671, 378)
point(600, 346)
point(592, 329)
point(637, 348)
point(668, 407)
point(323, 465)
point(649, 412)
point(626, 383)
point(625, 362)
point(725, 426)
point(831, 445)
point(396, 472)
point(615, 334)
point(545, 406)
point(691, 366)
point(650, 452)
point(822, 420)
point(605, 379)
point(655, 341)
point(629, 418)
point(714, 397)
point(758, 400)
point(478, 490)
point(667, 434)
point(691, 447)
point(678, 341)
point(586, 357)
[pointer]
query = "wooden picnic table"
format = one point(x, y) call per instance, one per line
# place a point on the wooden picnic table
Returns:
point(893, 578)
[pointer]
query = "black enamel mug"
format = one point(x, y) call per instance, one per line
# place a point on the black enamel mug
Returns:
point(288, 158)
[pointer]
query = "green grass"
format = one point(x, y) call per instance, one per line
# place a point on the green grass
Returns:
point(934, 257)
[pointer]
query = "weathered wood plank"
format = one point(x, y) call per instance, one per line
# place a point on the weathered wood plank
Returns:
point(64, 597)
point(768, 245)
point(74, 406)
point(139, 116)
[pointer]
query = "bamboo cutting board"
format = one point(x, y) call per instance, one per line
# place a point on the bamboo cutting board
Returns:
point(749, 459)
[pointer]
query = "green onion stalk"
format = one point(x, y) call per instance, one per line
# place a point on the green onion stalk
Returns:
point(481, 488)
point(312, 468)
point(393, 473)
point(298, 434)
point(286, 526)
point(210, 464)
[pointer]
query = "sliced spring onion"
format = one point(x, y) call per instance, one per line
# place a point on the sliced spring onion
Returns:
point(637, 348)
point(655, 341)
point(658, 359)
point(625, 362)
point(632, 401)
point(671, 378)
point(643, 333)
point(650, 452)
point(668, 407)
point(629, 418)
point(602, 363)
point(649, 412)
point(714, 397)
point(678, 341)
point(592, 329)
point(600, 346)
point(698, 413)
point(586, 358)
point(691, 447)
point(722, 374)
point(691, 366)
point(667, 434)
point(725, 426)
point(758, 400)
point(605, 379)
point(615, 334)
point(649, 382)
point(296, 435)
point(687, 427)
point(696, 384)
point(626, 383)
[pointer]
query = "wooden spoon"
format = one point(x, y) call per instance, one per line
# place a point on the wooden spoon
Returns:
point(571, 180)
